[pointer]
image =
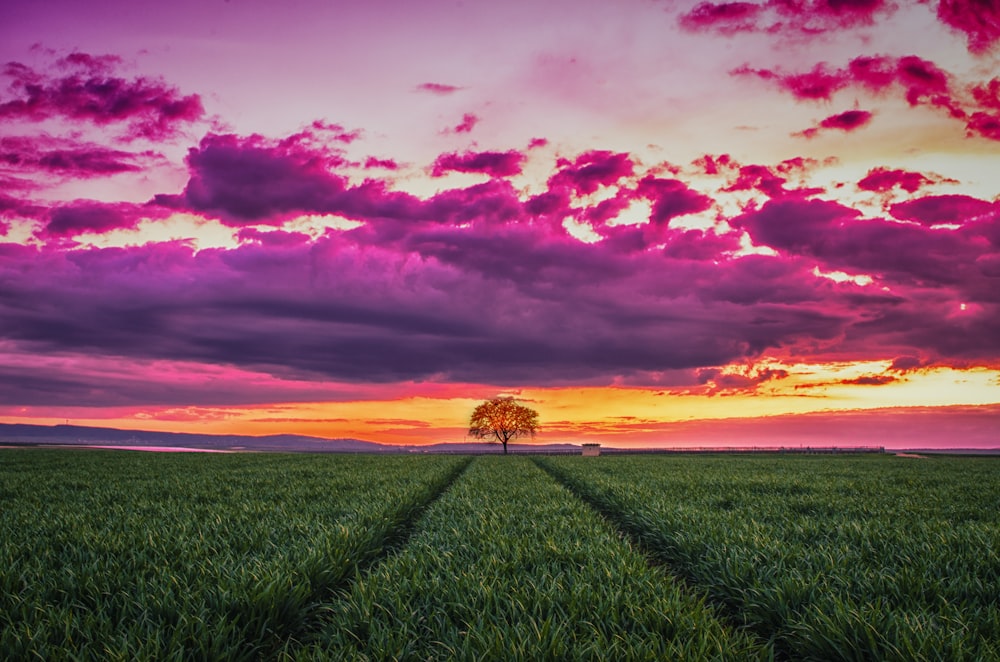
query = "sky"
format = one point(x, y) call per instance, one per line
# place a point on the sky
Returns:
point(657, 223)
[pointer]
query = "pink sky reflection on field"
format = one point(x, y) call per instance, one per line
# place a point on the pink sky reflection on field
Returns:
point(658, 223)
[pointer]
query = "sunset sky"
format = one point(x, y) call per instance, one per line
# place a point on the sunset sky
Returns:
point(657, 223)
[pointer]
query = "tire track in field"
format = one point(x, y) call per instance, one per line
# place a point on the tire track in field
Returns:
point(725, 612)
point(402, 524)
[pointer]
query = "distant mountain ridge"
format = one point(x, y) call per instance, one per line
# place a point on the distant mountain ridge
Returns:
point(79, 435)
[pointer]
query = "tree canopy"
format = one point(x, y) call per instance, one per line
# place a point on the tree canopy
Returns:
point(502, 419)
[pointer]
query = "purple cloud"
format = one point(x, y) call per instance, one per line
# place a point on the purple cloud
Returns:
point(85, 216)
point(671, 198)
point(482, 283)
point(847, 121)
point(440, 89)
point(591, 170)
point(494, 164)
point(65, 157)
point(148, 108)
point(254, 180)
point(881, 180)
point(934, 209)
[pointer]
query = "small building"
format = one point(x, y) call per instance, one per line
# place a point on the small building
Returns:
point(591, 450)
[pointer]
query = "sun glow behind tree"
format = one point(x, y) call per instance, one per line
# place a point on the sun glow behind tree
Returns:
point(503, 419)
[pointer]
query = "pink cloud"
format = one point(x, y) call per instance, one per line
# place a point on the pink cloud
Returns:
point(440, 89)
point(85, 216)
point(147, 108)
point(386, 164)
point(713, 165)
point(987, 95)
point(591, 170)
point(760, 178)
point(921, 82)
point(723, 17)
point(934, 209)
point(847, 121)
point(819, 83)
point(671, 198)
point(979, 20)
point(68, 157)
point(984, 124)
point(789, 18)
point(93, 64)
point(320, 133)
point(882, 180)
point(468, 123)
point(253, 179)
point(494, 164)
point(728, 382)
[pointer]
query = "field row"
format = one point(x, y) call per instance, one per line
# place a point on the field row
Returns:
point(124, 556)
point(829, 558)
point(508, 565)
point(117, 555)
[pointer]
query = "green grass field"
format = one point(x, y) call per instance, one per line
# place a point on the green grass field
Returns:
point(122, 555)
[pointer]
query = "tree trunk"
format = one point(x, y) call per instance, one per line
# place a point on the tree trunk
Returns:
point(505, 447)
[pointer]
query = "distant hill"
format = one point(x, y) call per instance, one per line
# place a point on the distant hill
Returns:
point(78, 435)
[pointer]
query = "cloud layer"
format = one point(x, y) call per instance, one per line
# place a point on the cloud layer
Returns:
point(484, 284)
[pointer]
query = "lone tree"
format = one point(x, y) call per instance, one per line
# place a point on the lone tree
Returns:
point(502, 419)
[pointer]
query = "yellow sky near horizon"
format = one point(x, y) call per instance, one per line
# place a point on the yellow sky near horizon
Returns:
point(567, 414)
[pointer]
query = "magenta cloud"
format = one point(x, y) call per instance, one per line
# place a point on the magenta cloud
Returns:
point(495, 164)
point(81, 217)
point(83, 89)
point(847, 121)
point(483, 284)
point(68, 158)
point(441, 89)
point(591, 170)
point(921, 83)
point(724, 17)
point(882, 180)
point(936, 209)
point(251, 179)
point(468, 123)
point(802, 18)
point(978, 20)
